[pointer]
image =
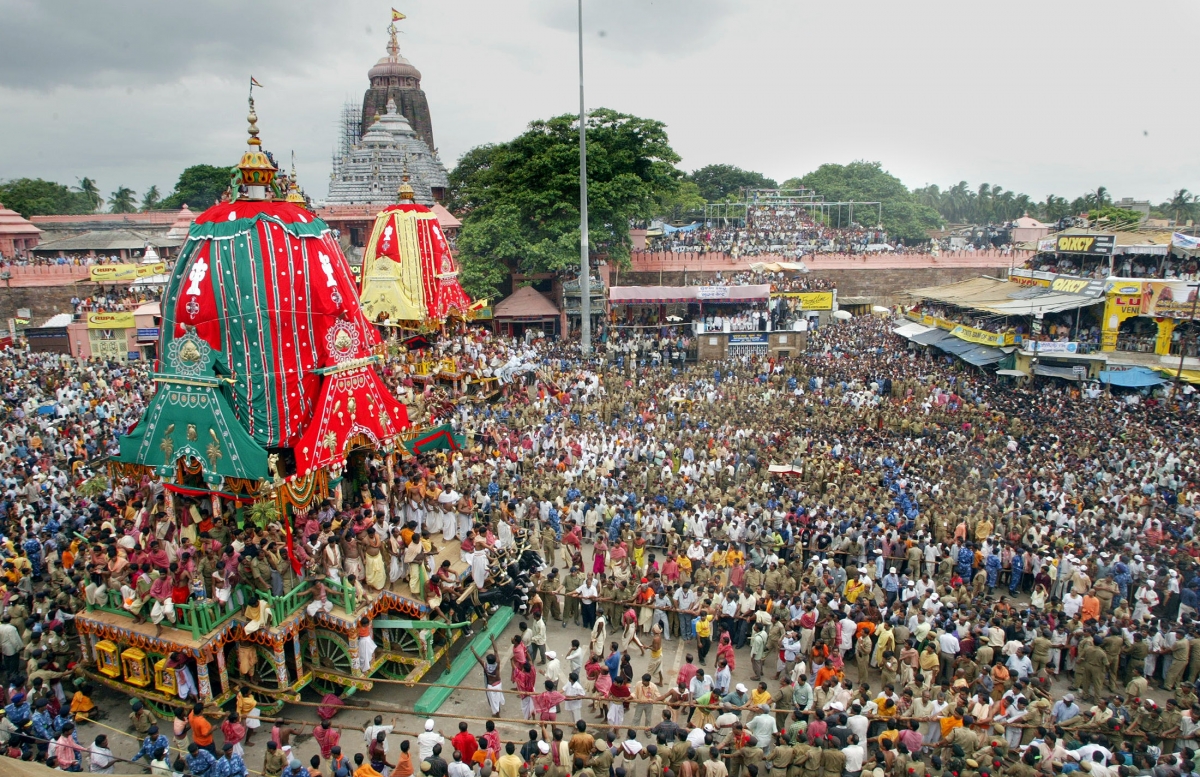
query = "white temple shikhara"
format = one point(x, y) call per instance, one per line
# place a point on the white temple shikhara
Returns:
point(374, 168)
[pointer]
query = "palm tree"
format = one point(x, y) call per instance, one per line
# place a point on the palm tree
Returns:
point(88, 187)
point(958, 199)
point(1055, 207)
point(151, 198)
point(1023, 205)
point(930, 195)
point(1102, 197)
point(122, 200)
point(1183, 203)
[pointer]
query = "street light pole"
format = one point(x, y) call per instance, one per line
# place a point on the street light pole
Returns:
point(1182, 350)
point(585, 273)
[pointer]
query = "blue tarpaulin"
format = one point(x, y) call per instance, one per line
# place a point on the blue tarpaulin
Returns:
point(932, 337)
point(1137, 377)
point(982, 355)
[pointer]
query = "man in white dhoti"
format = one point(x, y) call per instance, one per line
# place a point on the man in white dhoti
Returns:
point(479, 567)
point(491, 679)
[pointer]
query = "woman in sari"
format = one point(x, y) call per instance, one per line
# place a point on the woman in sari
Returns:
point(599, 554)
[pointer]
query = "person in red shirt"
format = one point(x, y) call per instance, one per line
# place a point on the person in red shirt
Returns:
point(464, 742)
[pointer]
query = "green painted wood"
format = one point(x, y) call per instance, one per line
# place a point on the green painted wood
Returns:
point(434, 698)
point(394, 623)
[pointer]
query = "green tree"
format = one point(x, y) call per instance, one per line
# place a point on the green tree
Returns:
point(122, 200)
point(681, 203)
point(199, 187)
point(36, 197)
point(1182, 206)
point(520, 200)
point(720, 182)
point(904, 216)
point(88, 187)
point(1055, 208)
point(489, 249)
point(1113, 217)
point(151, 199)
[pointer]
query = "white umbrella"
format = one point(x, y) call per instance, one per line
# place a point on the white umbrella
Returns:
point(842, 315)
point(879, 309)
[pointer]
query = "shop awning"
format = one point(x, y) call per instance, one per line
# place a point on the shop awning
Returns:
point(912, 329)
point(1137, 377)
point(1187, 376)
point(1066, 373)
point(1005, 298)
point(983, 355)
point(651, 295)
point(954, 345)
point(659, 295)
point(932, 337)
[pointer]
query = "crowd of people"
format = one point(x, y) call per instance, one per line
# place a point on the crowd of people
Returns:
point(114, 300)
point(790, 232)
point(31, 259)
point(1164, 266)
point(954, 576)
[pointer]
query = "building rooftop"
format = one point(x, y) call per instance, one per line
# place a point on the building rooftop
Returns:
point(14, 224)
point(108, 240)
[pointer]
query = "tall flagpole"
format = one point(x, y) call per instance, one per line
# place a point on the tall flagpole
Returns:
point(585, 274)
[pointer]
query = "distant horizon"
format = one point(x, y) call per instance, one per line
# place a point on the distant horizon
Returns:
point(131, 93)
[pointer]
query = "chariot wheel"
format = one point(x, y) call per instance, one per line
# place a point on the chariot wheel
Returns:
point(164, 712)
point(265, 677)
point(333, 655)
point(401, 641)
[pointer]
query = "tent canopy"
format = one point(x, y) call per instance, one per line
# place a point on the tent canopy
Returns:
point(439, 438)
point(1004, 298)
point(1136, 377)
point(983, 355)
point(1066, 373)
point(912, 329)
point(931, 337)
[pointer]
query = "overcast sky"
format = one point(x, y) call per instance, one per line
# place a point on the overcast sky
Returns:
point(1039, 97)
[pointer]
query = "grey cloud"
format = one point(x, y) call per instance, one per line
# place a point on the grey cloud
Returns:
point(139, 42)
point(640, 26)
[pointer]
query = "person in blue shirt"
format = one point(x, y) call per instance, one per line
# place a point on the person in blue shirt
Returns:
point(229, 764)
point(153, 741)
point(613, 662)
point(17, 711)
point(42, 725)
point(993, 569)
point(1018, 571)
point(966, 559)
point(202, 763)
point(295, 769)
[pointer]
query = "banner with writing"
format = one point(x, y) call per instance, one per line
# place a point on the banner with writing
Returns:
point(808, 300)
point(110, 321)
point(107, 273)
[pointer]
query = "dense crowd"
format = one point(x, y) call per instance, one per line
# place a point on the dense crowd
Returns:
point(790, 232)
point(1163, 266)
point(113, 300)
point(945, 559)
point(31, 259)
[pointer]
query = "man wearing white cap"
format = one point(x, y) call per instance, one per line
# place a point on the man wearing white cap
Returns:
point(427, 739)
point(554, 669)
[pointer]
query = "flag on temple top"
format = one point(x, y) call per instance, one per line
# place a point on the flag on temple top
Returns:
point(253, 82)
point(397, 16)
